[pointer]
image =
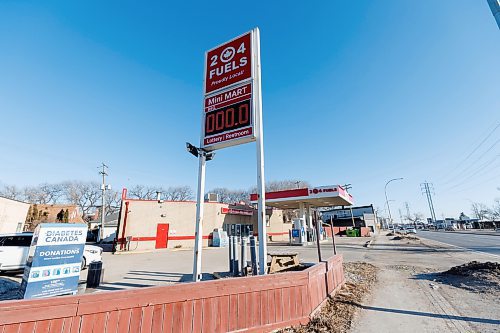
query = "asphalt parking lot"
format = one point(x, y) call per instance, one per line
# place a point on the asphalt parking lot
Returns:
point(169, 266)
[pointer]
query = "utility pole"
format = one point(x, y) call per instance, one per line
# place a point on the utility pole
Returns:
point(103, 210)
point(401, 216)
point(407, 211)
point(428, 189)
point(387, 200)
point(347, 187)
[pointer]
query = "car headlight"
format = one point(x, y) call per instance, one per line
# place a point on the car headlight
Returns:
point(92, 251)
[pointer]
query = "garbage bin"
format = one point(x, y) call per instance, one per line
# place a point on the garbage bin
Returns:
point(95, 274)
point(351, 232)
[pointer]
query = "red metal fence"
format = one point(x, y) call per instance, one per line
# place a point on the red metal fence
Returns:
point(252, 304)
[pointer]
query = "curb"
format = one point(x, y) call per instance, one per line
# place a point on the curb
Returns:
point(487, 233)
point(160, 250)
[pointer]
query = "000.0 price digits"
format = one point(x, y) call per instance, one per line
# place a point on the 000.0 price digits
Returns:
point(229, 118)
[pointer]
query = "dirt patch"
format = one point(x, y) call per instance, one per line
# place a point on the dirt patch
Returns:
point(406, 237)
point(474, 276)
point(337, 314)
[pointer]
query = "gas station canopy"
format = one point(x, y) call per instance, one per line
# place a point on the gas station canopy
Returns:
point(323, 196)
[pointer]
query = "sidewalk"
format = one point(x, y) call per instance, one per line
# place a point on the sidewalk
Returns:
point(407, 299)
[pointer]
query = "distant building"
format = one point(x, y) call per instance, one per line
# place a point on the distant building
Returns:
point(43, 213)
point(150, 224)
point(362, 216)
point(12, 215)
point(110, 225)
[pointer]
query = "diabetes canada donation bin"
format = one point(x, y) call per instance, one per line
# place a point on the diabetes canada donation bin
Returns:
point(54, 260)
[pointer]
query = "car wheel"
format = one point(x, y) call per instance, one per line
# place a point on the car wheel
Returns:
point(84, 263)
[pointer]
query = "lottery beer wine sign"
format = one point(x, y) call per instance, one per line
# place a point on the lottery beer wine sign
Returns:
point(231, 79)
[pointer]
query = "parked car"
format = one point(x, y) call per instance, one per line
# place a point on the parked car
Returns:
point(411, 231)
point(14, 250)
point(450, 229)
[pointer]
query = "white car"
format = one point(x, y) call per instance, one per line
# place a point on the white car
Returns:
point(14, 250)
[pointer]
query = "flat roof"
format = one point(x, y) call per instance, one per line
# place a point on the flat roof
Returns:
point(322, 196)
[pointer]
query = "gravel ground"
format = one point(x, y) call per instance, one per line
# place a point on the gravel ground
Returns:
point(337, 314)
point(403, 237)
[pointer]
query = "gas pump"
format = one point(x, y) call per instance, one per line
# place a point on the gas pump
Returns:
point(298, 232)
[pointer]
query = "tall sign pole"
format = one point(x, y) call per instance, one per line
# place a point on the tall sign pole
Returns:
point(261, 184)
point(495, 10)
point(232, 115)
point(198, 245)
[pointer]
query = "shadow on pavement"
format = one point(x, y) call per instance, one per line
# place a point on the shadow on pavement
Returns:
point(426, 314)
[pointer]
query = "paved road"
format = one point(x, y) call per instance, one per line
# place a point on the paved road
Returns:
point(482, 243)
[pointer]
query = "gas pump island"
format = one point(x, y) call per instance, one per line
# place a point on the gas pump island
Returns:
point(304, 199)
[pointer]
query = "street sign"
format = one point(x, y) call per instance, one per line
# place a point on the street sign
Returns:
point(232, 83)
point(54, 260)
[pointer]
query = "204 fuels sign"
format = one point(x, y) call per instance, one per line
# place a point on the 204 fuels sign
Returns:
point(231, 82)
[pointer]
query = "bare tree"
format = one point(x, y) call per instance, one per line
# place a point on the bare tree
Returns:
point(113, 201)
point(240, 196)
point(223, 194)
point(282, 185)
point(43, 193)
point(415, 217)
point(494, 211)
point(178, 193)
point(287, 184)
point(231, 196)
point(86, 195)
point(11, 192)
point(479, 210)
point(144, 192)
point(51, 193)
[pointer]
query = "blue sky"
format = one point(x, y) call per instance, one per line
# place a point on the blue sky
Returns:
point(353, 92)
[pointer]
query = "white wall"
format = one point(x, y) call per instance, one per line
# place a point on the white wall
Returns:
point(12, 213)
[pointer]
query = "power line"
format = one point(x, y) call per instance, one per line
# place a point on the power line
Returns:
point(481, 170)
point(464, 171)
point(459, 165)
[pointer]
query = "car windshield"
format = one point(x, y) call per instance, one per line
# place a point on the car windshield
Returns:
point(15, 240)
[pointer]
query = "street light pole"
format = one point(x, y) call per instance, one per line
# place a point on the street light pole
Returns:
point(387, 201)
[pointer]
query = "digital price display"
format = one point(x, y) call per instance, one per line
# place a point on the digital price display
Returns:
point(228, 117)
